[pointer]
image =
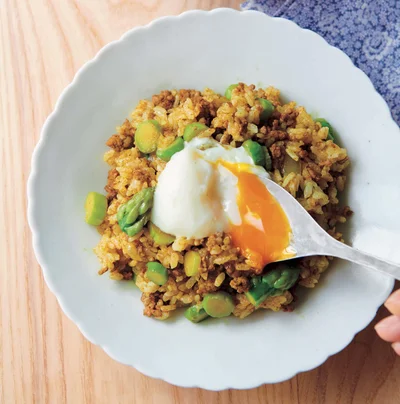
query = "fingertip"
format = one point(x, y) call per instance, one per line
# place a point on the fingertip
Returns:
point(396, 347)
point(389, 329)
point(393, 303)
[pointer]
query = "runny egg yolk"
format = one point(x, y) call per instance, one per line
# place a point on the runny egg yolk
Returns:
point(264, 233)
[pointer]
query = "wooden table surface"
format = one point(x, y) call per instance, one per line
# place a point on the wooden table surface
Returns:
point(43, 356)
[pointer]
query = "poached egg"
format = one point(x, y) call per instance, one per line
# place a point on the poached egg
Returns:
point(208, 188)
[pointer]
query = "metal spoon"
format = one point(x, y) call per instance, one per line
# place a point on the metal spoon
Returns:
point(310, 239)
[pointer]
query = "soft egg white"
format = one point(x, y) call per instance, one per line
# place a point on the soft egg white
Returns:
point(196, 195)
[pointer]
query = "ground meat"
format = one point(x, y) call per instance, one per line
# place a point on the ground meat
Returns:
point(144, 175)
point(165, 99)
point(288, 308)
point(205, 110)
point(264, 130)
point(119, 142)
point(115, 142)
point(230, 269)
point(303, 153)
point(177, 272)
point(128, 142)
point(347, 212)
point(122, 264)
point(277, 151)
point(278, 135)
point(278, 155)
point(123, 139)
point(288, 119)
point(240, 284)
point(313, 170)
point(127, 273)
point(270, 136)
point(151, 309)
point(111, 192)
point(202, 108)
point(194, 95)
point(275, 124)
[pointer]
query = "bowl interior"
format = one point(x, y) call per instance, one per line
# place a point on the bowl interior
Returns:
point(199, 50)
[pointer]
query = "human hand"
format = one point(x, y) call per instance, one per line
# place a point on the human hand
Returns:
point(389, 328)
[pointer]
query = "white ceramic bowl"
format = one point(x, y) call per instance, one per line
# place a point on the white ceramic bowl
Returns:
point(213, 49)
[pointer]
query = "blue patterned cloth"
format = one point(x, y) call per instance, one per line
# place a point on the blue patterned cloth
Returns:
point(366, 30)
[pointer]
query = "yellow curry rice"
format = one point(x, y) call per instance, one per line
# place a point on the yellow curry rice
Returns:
point(304, 162)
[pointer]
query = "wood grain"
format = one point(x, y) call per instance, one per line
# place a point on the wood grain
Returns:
point(43, 357)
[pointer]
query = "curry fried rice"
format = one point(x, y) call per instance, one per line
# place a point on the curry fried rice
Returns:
point(306, 161)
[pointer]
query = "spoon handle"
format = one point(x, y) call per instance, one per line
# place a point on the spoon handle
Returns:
point(340, 250)
point(310, 239)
